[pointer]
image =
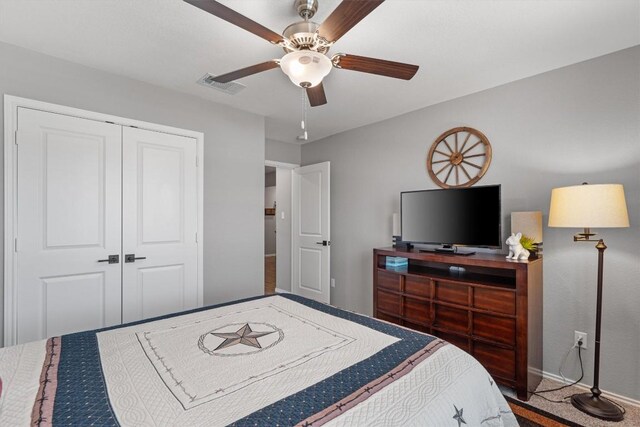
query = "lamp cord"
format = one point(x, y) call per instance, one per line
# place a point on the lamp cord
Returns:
point(564, 360)
point(539, 393)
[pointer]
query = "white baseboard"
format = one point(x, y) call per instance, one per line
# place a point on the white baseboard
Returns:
point(282, 291)
point(266, 255)
point(614, 396)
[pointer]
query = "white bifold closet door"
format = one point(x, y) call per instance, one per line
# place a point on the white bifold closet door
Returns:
point(88, 191)
point(159, 224)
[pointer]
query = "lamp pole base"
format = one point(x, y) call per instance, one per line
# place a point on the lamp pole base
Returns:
point(592, 404)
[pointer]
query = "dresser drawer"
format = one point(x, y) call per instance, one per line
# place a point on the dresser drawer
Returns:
point(389, 280)
point(417, 310)
point(452, 319)
point(419, 286)
point(388, 302)
point(452, 292)
point(498, 361)
point(493, 328)
point(496, 300)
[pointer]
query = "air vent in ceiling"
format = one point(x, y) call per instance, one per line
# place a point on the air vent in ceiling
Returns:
point(230, 88)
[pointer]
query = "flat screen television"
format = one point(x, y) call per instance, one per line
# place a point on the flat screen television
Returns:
point(452, 217)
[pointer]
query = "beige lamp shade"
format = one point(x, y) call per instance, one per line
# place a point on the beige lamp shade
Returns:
point(527, 223)
point(588, 206)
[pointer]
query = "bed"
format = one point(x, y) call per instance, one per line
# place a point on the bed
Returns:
point(271, 360)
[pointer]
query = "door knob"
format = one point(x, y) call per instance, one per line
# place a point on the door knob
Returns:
point(132, 258)
point(324, 243)
point(111, 259)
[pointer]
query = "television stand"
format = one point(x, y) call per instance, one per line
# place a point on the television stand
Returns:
point(492, 309)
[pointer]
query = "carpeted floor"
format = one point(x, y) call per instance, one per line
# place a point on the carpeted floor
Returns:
point(566, 411)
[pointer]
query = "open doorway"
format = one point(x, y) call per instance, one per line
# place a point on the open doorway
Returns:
point(277, 226)
point(270, 207)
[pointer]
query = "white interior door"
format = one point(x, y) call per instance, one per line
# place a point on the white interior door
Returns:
point(68, 219)
point(160, 219)
point(311, 232)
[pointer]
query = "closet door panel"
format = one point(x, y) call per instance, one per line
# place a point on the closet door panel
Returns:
point(161, 290)
point(159, 223)
point(68, 218)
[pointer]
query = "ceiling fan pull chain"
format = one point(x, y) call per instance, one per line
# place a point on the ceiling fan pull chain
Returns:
point(303, 121)
point(302, 98)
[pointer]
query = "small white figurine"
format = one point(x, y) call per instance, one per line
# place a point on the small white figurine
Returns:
point(516, 251)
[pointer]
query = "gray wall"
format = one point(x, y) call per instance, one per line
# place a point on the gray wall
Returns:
point(575, 124)
point(233, 155)
point(282, 152)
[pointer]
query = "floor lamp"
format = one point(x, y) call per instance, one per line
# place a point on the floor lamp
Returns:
point(591, 206)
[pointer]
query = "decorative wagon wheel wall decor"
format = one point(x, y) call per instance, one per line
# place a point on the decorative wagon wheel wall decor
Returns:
point(459, 158)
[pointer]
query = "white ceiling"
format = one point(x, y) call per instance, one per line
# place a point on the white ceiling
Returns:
point(461, 46)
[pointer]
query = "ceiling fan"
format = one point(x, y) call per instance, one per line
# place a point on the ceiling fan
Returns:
point(306, 44)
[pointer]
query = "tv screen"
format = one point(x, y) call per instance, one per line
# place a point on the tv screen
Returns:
point(465, 216)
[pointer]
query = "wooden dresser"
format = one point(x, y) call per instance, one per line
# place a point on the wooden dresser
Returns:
point(492, 309)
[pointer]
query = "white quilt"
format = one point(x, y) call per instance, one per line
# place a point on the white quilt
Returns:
point(259, 359)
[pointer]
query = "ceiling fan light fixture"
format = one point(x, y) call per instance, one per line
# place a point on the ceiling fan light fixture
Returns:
point(305, 68)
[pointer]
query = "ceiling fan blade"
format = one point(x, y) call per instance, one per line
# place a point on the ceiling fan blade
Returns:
point(235, 18)
point(346, 16)
point(316, 95)
point(244, 72)
point(381, 67)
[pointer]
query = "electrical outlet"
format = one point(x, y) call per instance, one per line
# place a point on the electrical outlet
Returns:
point(333, 282)
point(577, 336)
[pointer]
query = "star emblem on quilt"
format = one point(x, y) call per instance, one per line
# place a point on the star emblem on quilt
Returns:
point(458, 416)
point(240, 339)
point(243, 336)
